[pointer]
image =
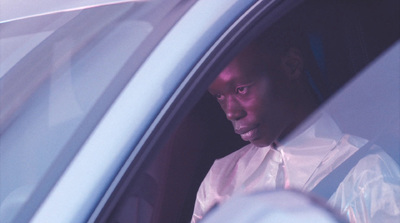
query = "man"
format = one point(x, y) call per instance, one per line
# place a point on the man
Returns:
point(264, 93)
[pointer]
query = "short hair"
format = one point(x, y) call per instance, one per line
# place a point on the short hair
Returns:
point(275, 42)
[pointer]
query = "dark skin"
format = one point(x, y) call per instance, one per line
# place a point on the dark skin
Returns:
point(263, 96)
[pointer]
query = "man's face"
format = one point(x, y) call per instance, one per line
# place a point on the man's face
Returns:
point(255, 99)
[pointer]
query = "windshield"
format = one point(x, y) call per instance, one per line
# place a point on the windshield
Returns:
point(59, 73)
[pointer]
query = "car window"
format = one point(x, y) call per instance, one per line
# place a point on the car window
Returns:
point(348, 49)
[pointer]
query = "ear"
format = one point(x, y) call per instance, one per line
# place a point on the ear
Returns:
point(292, 63)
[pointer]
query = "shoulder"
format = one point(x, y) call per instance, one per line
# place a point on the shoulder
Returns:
point(373, 182)
point(373, 173)
point(377, 165)
point(228, 162)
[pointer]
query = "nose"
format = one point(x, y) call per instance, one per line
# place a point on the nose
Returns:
point(233, 109)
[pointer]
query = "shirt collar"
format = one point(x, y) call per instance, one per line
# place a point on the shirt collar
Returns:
point(304, 150)
point(320, 125)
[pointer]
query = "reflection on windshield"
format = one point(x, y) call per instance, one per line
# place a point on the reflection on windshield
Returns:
point(45, 7)
point(52, 75)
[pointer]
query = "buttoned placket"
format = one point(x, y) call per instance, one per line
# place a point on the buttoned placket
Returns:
point(281, 181)
point(268, 169)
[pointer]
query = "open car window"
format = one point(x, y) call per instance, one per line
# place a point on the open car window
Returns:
point(355, 77)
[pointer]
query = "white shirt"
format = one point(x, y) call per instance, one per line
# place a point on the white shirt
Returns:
point(369, 193)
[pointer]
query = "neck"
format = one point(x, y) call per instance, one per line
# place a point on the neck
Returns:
point(304, 105)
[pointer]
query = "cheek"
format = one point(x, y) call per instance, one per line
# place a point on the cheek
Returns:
point(258, 108)
point(268, 109)
point(263, 100)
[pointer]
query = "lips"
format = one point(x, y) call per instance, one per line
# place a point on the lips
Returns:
point(248, 133)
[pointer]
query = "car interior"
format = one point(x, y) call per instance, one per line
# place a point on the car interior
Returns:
point(341, 37)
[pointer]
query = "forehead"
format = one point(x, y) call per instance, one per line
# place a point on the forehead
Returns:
point(241, 70)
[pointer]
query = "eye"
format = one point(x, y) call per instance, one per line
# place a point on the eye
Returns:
point(242, 90)
point(218, 96)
